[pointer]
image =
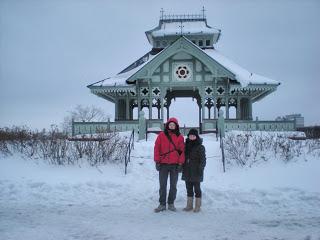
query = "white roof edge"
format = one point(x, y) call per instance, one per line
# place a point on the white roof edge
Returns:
point(243, 76)
point(121, 79)
point(190, 27)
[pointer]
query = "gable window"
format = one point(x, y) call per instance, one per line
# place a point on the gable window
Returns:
point(200, 43)
point(207, 42)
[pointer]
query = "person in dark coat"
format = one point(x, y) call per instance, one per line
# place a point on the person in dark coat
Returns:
point(169, 158)
point(192, 174)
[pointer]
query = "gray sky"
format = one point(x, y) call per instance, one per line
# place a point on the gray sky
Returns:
point(50, 50)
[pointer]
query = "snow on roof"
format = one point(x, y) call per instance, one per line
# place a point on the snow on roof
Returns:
point(119, 80)
point(189, 27)
point(242, 75)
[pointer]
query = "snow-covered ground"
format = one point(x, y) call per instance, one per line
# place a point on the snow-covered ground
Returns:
point(271, 201)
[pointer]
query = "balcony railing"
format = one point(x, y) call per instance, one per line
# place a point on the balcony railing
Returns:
point(155, 125)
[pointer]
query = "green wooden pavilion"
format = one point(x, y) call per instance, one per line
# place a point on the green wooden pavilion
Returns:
point(183, 62)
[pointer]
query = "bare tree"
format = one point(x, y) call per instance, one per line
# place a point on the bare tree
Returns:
point(83, 114)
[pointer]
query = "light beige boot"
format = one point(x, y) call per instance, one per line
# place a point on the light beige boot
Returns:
point(197, 205)
point(189, 206)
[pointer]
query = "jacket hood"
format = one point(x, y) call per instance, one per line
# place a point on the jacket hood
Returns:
point(173, 120)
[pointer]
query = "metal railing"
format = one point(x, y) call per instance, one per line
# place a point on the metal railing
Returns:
point(130, 146)
point(183, 17)
point(222, 153)
point(250, 125)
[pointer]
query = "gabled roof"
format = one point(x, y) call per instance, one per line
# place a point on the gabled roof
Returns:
point(181, 44)
point(141, 68)
point(121, 78)
point(233, 70)
point(243, 76)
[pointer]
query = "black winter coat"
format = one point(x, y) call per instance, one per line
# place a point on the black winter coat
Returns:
point(195, 161)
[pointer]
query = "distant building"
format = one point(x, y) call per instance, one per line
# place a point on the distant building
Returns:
point(299, 120)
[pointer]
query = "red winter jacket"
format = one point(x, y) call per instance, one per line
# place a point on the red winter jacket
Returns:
point(164, 150)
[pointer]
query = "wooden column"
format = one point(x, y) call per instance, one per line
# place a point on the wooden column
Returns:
point(150, 108)
point(116, 110)
point(215, 108)
point(138, 98)
point(227, 108)
point(203, 108)
point(250, 108)
point(227, 99)
point(159, 116)
point(127, 107)
point(199, 114)
point(238, 108)
point(161, 108)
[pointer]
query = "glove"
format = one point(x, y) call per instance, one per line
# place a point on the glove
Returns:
point(158, 166)
point(179, 168)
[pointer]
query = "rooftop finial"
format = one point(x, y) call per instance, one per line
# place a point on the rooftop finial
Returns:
point(161, 13)
point(203, 10)
point(181, 28)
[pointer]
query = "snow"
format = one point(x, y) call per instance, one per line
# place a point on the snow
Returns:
point(154, 129)
point(269, 201)
point(119, 80)
point(189, 27)
point(242, 75)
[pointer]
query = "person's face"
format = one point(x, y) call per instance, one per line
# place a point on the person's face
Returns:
point(192, 137)
point(172, 126)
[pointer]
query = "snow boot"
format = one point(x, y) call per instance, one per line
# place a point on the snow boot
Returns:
point(197, 205)
point(189, 206)
point(160, 208)
point(171, 207)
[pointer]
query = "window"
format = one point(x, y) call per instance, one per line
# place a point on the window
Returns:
point(207, 42)
point(194, 41)
point(200, 43)
point(157, 44)
point(164, 43)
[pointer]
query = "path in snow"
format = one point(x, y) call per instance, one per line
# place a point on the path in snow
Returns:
point(38, 201)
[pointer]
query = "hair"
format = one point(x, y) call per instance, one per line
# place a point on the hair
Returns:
point(176, 131)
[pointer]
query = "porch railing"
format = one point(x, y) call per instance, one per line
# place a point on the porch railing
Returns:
point(130, 146)
point(249, 125)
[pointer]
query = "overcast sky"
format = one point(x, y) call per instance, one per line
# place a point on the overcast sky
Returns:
point(51, 49)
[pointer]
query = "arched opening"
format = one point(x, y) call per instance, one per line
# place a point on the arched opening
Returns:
point(186, 110)
point(232, 112)
point(209, 108)
point(156, 109)
point(184, 104)
point(223, 108)
point(133, 110)
point(135, 113)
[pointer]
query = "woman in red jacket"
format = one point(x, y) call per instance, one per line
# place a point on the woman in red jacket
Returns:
point(169, 157)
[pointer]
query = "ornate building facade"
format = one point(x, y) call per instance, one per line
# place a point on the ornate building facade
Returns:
point(183, 62)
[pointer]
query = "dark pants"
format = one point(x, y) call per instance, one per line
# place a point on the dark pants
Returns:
point(165, 171)
point(193, 187)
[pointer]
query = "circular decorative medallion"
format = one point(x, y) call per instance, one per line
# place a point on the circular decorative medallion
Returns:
point(182, 72)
